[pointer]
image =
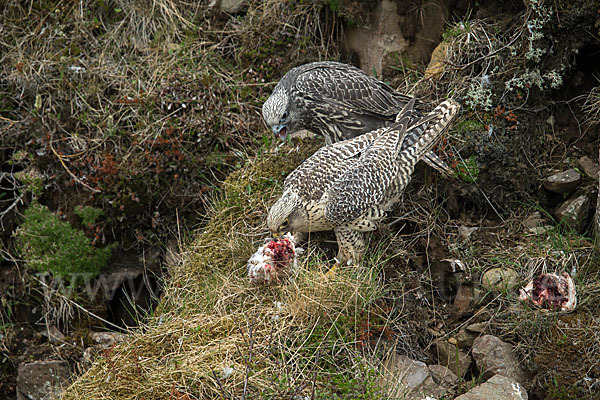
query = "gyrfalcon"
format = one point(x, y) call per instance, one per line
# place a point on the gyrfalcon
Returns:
point(337, 101)
point(349, 186)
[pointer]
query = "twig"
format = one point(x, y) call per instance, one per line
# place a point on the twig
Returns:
point(223, 391)
point(69, 171)
point(13, 205)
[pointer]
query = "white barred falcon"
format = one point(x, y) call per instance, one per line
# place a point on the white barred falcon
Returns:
point(349, 186)
point(337, 101)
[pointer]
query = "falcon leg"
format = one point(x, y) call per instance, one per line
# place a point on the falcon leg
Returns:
point(351, 244)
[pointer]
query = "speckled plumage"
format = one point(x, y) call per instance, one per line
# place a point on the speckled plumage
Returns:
point(348, 186)
point(337, 101)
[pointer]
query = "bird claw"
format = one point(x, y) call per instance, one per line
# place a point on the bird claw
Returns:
point(331, 271)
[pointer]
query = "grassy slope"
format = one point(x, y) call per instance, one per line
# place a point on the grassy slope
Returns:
point(211, 317)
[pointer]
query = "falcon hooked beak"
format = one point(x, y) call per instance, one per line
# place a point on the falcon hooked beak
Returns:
point(280, 131)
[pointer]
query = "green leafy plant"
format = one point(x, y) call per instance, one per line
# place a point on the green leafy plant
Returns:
point(50, 245)
point(89, 215)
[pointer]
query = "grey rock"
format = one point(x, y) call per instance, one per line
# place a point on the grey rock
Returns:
point(54, 335)
point(494, 356)
point(232, 6)
point(411, 380)
point(533, 221)
point(563, 182)
point(497, 387)
point(443, 376)
point(589, 166)
point(478, 327)
point(382, 37)
point(106, 339)
point(42, 379)
point(573, 211)
point(500, 279)
point(453, 358)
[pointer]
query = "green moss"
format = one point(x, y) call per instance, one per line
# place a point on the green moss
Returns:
point(467, 170)
point(50, 245)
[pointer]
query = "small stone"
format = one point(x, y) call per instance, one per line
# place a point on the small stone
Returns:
point(232, 6)
point(54, 335)
point(494, 356)
point(497, 387)
point(500, 279)
point(42, 379)
point(443, 376)
point(589, 166)
point(463, 301)
point(107, 339)
point(465, 339)
point(478, 327)
point(447, 354)
point(533, 221)
point(540, 230)
point(563, 182)
point(573, 211)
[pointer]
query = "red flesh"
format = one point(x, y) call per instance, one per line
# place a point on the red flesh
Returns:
point(282, 252)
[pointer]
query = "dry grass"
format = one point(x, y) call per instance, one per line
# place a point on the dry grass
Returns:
point(293, 339)
point(591, 107)
point(141, 108)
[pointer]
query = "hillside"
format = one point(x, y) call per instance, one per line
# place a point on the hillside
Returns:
point(134, 154)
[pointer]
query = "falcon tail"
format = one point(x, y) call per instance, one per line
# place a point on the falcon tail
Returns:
point(432, 126)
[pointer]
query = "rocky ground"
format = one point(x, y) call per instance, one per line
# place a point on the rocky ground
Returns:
point(151, 118)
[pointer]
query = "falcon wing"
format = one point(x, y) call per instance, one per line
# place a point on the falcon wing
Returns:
point(347, 87)
point(367, 181)
point(314, 176)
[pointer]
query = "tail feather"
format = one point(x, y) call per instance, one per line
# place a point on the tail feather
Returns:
point(418, 145)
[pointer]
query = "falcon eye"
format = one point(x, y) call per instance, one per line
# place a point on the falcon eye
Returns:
point(284, 116)
point(285, 224)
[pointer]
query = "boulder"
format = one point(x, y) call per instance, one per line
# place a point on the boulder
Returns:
point(573, 211)
point(500, 279)
point(42, 379)
point(382, 37)
point(563, 182)
point(494, 356)
point(497, 387)
point(451, 357)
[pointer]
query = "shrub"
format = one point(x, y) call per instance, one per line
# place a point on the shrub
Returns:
point(50, 245)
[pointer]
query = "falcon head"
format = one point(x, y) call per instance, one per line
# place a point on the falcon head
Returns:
point(287, 215)
point(277, 115)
